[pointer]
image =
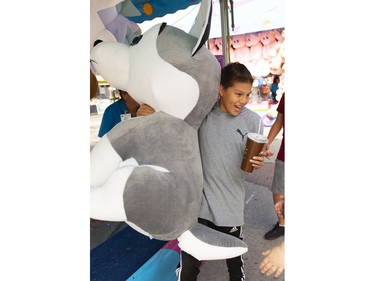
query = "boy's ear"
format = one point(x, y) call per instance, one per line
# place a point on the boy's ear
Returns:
point(221, 92)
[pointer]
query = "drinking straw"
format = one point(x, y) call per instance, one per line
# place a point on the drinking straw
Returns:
point(260, 122)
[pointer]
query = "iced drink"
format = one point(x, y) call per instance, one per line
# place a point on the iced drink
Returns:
point(254, 146)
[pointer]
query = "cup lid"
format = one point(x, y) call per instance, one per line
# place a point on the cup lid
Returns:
point(257, 137)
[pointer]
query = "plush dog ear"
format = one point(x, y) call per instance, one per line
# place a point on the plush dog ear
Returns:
point(202, 25)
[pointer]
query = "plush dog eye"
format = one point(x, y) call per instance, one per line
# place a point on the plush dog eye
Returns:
point(97, 42)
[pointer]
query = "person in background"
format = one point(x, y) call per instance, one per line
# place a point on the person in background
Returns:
point(124, 108)
point(273, 262)
point(222, 141)
point(278, 181)
point(274, 88)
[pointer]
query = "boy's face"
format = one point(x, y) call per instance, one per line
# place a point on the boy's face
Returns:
point(234, 98)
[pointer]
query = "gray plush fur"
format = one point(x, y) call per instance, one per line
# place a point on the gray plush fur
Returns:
point(167, 204)
point(163, 204)
point(175, 46)
point(215, 238)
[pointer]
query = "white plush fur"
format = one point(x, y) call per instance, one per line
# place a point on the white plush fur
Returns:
point(204, 251)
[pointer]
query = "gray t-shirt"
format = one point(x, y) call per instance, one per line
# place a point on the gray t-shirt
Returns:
point(222, 140)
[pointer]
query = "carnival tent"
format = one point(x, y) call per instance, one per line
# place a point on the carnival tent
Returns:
point(229, 17)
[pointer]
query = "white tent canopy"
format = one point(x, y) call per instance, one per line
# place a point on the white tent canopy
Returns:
point(249, 16)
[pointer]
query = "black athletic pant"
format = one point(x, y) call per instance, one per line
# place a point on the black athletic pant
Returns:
point(189, 266)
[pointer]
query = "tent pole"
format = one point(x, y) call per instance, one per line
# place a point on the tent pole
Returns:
point(224, 29)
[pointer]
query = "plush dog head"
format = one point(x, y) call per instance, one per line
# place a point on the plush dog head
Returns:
point(169, 69)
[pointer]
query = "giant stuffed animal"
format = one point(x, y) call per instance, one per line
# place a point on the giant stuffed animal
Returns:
point(147, 170)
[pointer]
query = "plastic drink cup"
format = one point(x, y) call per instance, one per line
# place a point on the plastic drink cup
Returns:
point(254, 145)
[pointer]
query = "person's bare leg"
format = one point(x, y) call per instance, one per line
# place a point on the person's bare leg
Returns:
point(277, 198)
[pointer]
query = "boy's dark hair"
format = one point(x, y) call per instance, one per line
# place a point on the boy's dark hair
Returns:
point(235, 72)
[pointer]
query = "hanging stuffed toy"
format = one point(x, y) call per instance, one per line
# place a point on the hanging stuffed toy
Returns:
point(262, 68)
point(270, 44)
point(256, 47)
point(147, 170)
point(213, 48)
point(278, 60)
point(241, 51)
point(219, 44)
